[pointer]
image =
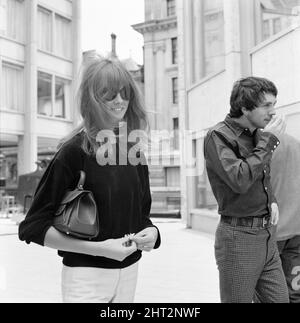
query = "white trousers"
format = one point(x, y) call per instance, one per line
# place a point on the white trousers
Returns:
point(99, 285)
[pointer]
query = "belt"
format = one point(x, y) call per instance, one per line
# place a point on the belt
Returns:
point(257, 222)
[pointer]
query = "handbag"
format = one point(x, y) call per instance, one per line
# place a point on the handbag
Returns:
point(77, 214)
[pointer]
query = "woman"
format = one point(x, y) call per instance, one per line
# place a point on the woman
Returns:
point(103, 270)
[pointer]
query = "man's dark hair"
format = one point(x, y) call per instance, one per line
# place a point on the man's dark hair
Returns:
point(249, 93)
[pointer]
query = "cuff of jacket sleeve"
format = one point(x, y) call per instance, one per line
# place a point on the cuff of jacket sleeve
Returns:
point(272, 142)
point(27, 233)
point(43, 235)
point(158, 240)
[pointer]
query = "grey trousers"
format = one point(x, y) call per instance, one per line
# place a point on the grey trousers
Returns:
point(249, 265)
point(290, 257)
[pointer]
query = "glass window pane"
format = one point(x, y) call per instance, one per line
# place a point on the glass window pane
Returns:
point(174, 50)
point(44, 94)
point(175, 90)
point(3, 18)
point(63, 38)
point(171, 8)
point(44, 29)
point(276, 25)
point(266, 29)
point(61, 94)
point(277, 15)
point(172, 177)
point(12, 87)
point(214, 36)
point(12, 17)
point(176, 133)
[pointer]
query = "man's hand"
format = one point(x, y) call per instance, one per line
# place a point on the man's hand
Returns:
point(146, 238)
point(276, 126)
point(275, 213)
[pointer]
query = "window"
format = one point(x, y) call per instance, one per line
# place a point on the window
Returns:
point(12, 87)
point(276, 16)
point(171, 8)
point(12, 19)
point(49, 103)
point(172, 176)
point(176, 133)
point(45, 30)
point(54, 33)
point(175, 90)
point(11, 171)
point(61, 93)
point(174, 50)
point(214, 46)
point(208, 44)
point(63, 36)
point(44, 94)
point(266, 29)
point(276, 25)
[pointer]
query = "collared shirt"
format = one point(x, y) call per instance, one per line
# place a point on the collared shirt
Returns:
point(238, 168)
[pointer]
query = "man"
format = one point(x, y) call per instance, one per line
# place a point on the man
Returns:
point(285, 181)
point(238, 152)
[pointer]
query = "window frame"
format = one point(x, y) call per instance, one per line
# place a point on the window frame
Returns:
point(174, 82)
point(67, 96)
point(18, 67)
point(54, 50)
point(175, 127)
point(20, 37)
point(171, 8)
point(202, 29)
point(174, 49)
point(262, 11)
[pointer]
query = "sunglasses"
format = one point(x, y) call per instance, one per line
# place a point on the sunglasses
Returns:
point(124, 93)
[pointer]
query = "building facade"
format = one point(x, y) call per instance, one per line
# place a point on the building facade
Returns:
point(40, 55)
point(161, 99)
point(219, 42)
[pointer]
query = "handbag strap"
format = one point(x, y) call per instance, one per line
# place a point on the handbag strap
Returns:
point(81, 180)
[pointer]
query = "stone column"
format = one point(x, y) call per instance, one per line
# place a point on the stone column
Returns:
point(258, 21)
point(77, 58)
point(187, 31)
point(159, 74)
point(183, 72)
point(150, 100)
point(247, 34)
point(232, 38)
point(198, 36)
point(28, 144)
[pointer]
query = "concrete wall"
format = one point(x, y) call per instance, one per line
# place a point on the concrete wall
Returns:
point(278, 60)
point(208, 102)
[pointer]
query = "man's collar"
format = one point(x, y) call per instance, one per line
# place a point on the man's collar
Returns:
point(235, 126)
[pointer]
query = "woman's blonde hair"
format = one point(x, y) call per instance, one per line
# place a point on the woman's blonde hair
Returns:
point(99, 76)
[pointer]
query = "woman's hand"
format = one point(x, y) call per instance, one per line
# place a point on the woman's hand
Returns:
point(117, 249)
point(146, 238)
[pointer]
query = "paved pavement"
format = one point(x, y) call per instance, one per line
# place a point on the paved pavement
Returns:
point(182, 270)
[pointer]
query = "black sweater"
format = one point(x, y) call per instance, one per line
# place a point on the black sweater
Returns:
point(122, 195)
